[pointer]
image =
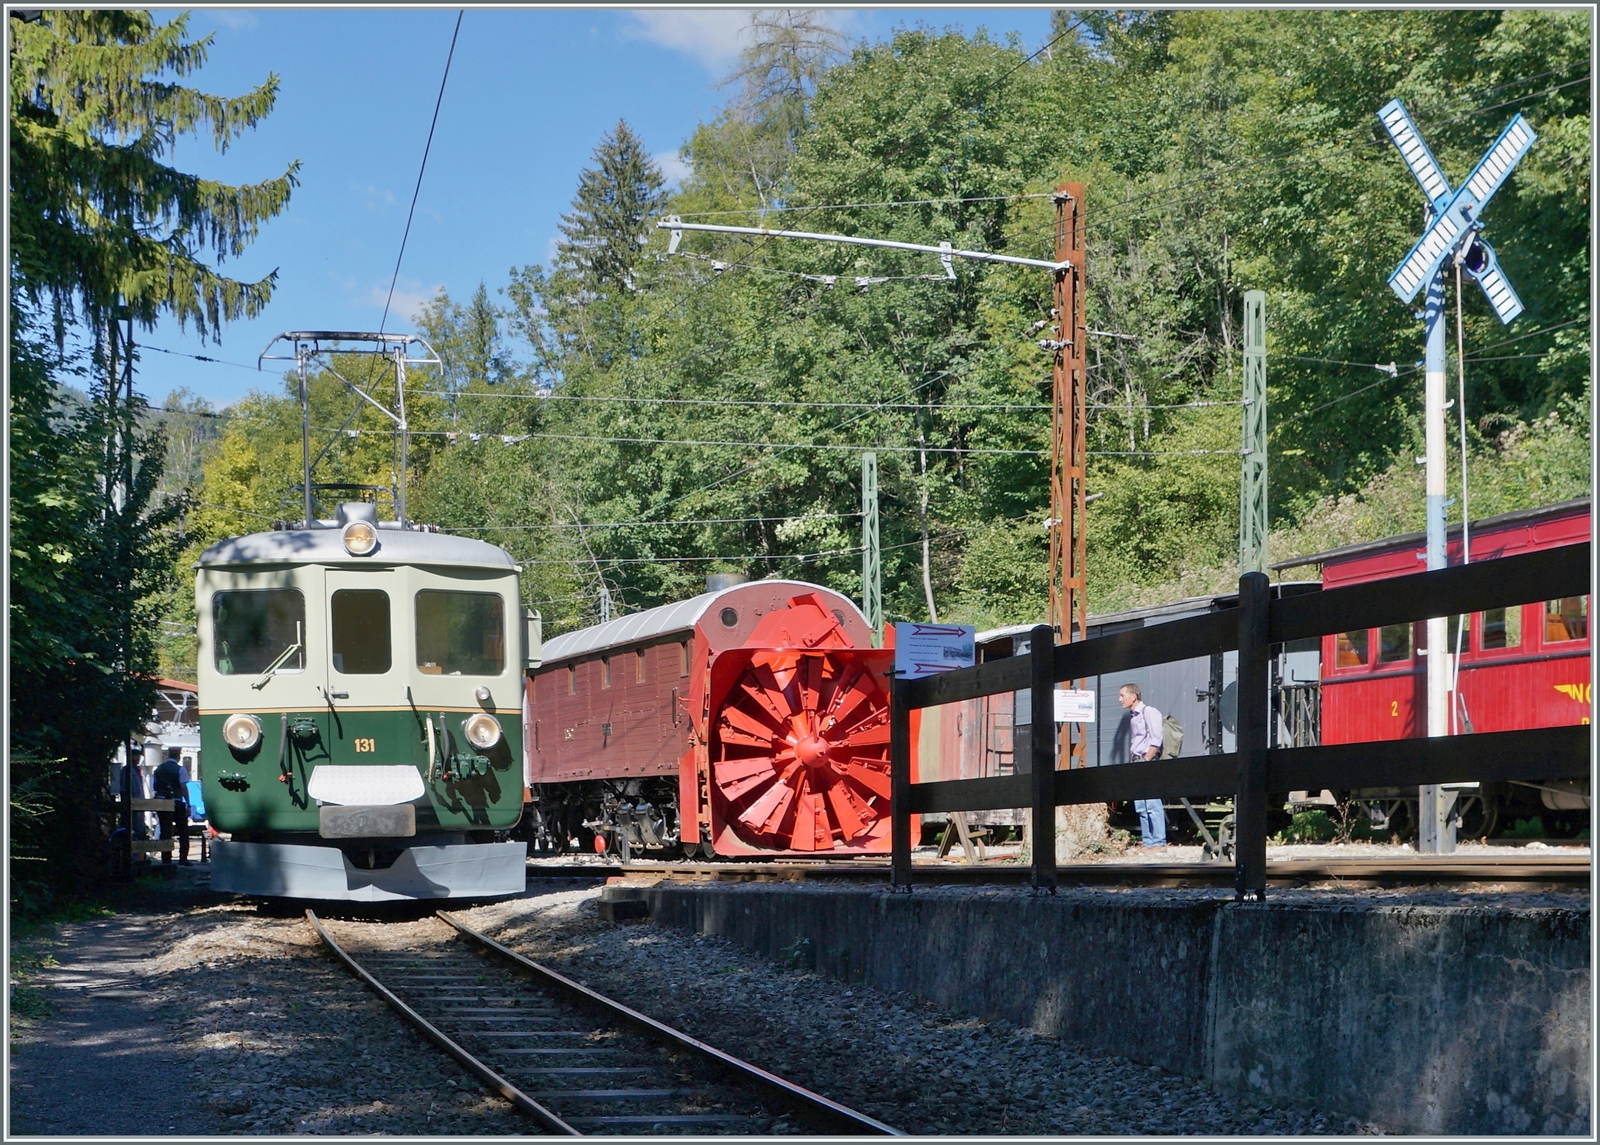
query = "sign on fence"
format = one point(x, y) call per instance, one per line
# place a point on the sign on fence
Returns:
point(928, 649)
point(1074, 706)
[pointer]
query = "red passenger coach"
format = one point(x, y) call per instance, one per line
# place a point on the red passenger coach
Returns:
point(1520, 667)
point(756, 716)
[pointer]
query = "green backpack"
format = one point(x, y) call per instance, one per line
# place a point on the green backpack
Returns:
point(1171, 737)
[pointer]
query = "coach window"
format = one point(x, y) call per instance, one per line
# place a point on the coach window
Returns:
point(254, 627)
point(359, 623)
point(1352, 649)
point(638, 666)
point(1394, 643)
point(1502, 628)
point(572, 679)
point(1455, 634)
point(683, 658)
point(1566, 619)
point(460, 633)
point(605, 671)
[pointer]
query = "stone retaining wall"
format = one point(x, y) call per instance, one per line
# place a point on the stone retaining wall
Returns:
point(1423, 1018)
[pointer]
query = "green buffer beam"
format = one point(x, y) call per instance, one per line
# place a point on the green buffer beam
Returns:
point(871, 567)
point(1253, 477)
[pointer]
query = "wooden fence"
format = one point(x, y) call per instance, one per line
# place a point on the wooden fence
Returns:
point(1253, 626)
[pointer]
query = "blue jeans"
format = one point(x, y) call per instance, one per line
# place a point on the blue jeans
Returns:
point(1152, 822)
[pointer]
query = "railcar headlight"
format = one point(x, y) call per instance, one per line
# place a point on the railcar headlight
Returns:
point(483, 731)
point(242, 731)
point(360, 538)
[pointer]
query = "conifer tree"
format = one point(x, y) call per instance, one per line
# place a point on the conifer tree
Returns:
point(105, 236)
point(467, 339)
point(788, 52)
point(98, 222)
point(604, 236)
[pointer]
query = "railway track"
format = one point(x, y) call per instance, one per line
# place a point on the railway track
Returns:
point(574, 1061)
point(1554, 871)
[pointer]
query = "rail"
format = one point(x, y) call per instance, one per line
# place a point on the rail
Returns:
point(475, 1015)
point(546, 1119)
point(837, 1118)
point(1252, 627)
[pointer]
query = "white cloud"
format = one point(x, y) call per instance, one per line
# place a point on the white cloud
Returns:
point(373, 198)
point(409, 298)
point(713, 36)
point(235, 19)
point(672, 166)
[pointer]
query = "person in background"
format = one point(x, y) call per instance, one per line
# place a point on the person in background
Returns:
point(170, 783)
point(1145, 745)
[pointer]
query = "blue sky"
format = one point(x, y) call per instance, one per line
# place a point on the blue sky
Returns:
point(531, 92)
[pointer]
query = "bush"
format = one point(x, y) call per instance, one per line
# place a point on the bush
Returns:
point(1312, 826)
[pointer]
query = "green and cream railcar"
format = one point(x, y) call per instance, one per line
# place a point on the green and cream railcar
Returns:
point(360, 711)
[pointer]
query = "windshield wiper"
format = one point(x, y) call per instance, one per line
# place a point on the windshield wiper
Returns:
point(273, 667)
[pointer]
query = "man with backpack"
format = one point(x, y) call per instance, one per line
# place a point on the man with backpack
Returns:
point(171, 782)
point(1146, 744)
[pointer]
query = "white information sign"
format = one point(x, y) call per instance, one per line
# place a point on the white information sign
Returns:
point(1074, 706)
point(928, 649)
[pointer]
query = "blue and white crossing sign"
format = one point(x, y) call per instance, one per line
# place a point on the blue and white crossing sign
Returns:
point(1430, 176)
point(1455, 223)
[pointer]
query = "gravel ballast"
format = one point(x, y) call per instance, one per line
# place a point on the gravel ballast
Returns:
point(239, 1009)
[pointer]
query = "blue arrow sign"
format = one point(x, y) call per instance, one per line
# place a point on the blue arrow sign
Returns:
point(1455, 216)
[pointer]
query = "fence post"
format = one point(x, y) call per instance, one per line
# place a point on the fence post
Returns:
point(1250, 802)
point(899, 786)
point(1042, 734)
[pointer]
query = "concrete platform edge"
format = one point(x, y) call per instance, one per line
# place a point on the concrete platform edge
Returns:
point(1423, 1019)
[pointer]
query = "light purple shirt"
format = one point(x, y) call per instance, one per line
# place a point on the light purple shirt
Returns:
point(1146, 727)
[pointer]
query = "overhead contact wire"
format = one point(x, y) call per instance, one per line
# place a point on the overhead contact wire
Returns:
point(421, 169)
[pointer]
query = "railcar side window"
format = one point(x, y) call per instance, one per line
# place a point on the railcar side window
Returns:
point(1456, 634)
point(1394, 643)
point(460, 633)
point(1566, 619)
point(359, 628)
point(1502, 627)
point(253, 627)
point(683, 658)
point(1352, 651)
point(638, 667)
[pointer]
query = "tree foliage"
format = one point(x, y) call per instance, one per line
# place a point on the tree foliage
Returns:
point(674, 415)
point(97, 219)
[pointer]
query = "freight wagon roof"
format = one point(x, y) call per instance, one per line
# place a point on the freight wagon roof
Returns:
point(1519, 517)
point(325, 546)
point(1171, 610)
point(652, 622)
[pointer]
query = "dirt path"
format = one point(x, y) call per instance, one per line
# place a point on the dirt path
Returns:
point(107, 1062)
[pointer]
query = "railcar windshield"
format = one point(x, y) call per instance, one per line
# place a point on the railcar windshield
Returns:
point(360, 631)
point(253, 627)
point(460, 633)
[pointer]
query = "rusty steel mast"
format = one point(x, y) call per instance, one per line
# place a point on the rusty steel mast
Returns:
point(1069, 598)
